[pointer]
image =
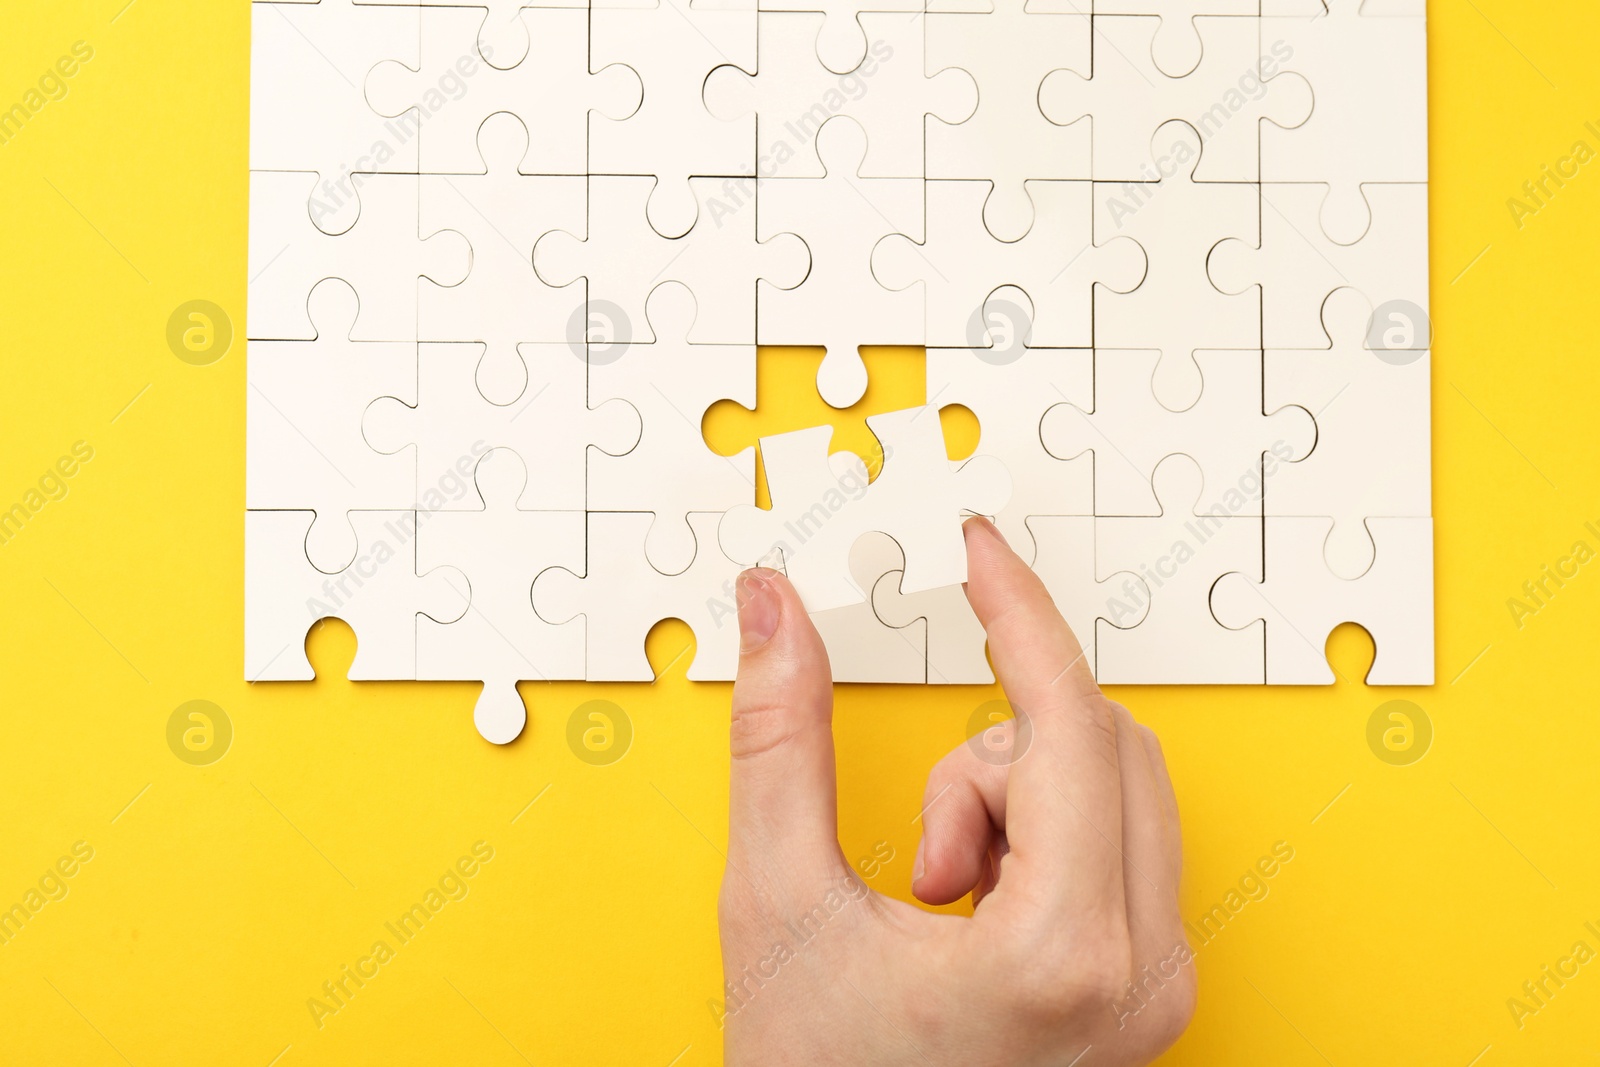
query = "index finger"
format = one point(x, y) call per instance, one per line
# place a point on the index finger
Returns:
point(1064, 795)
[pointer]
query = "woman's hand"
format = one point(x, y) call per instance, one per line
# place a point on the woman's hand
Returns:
point(1075, 952)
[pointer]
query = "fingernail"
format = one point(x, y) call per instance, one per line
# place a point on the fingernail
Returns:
point(917, 867)
point(994, 531)
point(759, 609)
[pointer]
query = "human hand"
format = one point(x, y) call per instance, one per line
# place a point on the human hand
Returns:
point(1075, 952)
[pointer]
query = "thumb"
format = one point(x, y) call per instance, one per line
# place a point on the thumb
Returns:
point(782, 821)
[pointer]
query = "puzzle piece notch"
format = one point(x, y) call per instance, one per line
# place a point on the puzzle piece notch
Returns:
point(1009, 385)
point(793, 95)
point(840, 304)
point(623, 258)
point(841, 41)
point(1301, 601)
point(1386, 261)
point(1130, 432)
point(551, 90)
point(1008, 52)
point(817, 513)
point(1066, 564)
point(1219, 97)
point(862, 646)
point(307, 109)
point(304, 447)
point(1374, 128)
point(500, 639)
point(379, 595)
point(1177, 48)
point(1056, 263)
point(550, 428)
point(503, 39)
point(956, 644)
point(502, 301)
point(621, 597)
point(1373, 444)
point(1181, 553)
point(1175, 308)
point(672, 47)
point(382, 256)
point(671, 471)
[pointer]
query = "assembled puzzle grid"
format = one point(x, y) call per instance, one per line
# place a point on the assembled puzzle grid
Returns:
point(503, 258)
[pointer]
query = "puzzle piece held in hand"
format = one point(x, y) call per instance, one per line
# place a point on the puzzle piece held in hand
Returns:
point(818, 513)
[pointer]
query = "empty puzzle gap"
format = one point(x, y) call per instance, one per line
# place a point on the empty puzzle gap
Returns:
point(787, 400)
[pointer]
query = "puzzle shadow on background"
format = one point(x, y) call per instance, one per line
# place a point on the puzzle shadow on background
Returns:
point(503, 259)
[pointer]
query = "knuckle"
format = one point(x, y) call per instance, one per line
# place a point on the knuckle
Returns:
point(1081, 982)
point(761, 725)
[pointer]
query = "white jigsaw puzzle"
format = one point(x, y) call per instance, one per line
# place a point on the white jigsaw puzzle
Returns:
point(506, 255)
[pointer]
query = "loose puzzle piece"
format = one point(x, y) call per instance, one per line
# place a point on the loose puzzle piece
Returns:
point(1383, 255)
point(1008, 51)
point(1130, 432)
point(1301, 601)
point(623, 258)
point(381, 256)
point(502, 302)
point(1057, 263)
point(1374, 128)
point(1180, 554)
point(453, 91)
point(621, 597)
point(1226, 97)
point(671, 472)
point(304, 447)
point(500, 638)
point(818, 513)
point(550, 426)
point(672, 46)
point(793, 94)
point(379, 594)
point(1373, 444)
point(1009, 385)
point(839, 305)
point(1066, 565)
point(1176, 309)
point(308, 108)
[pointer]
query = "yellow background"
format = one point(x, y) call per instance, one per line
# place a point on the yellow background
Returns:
point(220, 898)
